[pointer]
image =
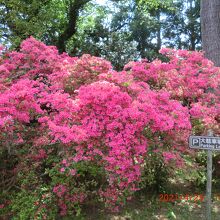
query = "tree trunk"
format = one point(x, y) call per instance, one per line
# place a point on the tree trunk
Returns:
point(73, 15)
point(192, 26)
point(210, 24)
point(159, 40)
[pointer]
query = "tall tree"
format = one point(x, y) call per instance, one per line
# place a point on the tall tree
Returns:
point(53, 21)
point(181, 27)
point(193, 24)
point(74, 8)
point(20, 19)
point(210, 24)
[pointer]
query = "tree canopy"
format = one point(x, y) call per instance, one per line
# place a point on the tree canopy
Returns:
point(120, 30)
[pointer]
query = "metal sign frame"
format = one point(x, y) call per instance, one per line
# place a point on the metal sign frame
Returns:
point(204, 142)
point(210, 144)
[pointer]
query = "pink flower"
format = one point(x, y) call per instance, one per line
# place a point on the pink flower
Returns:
point(72, 172)
point(168, 156)
point(62, 170)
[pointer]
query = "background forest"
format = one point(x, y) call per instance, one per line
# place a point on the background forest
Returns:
point(118, 30)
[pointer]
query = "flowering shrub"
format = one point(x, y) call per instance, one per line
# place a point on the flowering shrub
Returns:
point(81, 131)
point(189, 78)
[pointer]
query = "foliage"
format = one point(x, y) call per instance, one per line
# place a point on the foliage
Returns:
point(154, 3)
point(53, 21)
point(181, 28)
point(80, 131)
point(119, 31)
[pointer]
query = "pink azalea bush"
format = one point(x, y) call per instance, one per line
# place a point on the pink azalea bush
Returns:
point(81, 130)
point(189, 78)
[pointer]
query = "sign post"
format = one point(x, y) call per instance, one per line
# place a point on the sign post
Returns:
point(209, 143)
point(209, 183)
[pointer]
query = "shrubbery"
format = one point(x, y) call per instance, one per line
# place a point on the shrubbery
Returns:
point(73, 130)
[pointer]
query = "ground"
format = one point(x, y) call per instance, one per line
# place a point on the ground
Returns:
point(148, 206)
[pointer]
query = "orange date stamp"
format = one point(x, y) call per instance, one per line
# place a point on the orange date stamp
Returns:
point(181, 197)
